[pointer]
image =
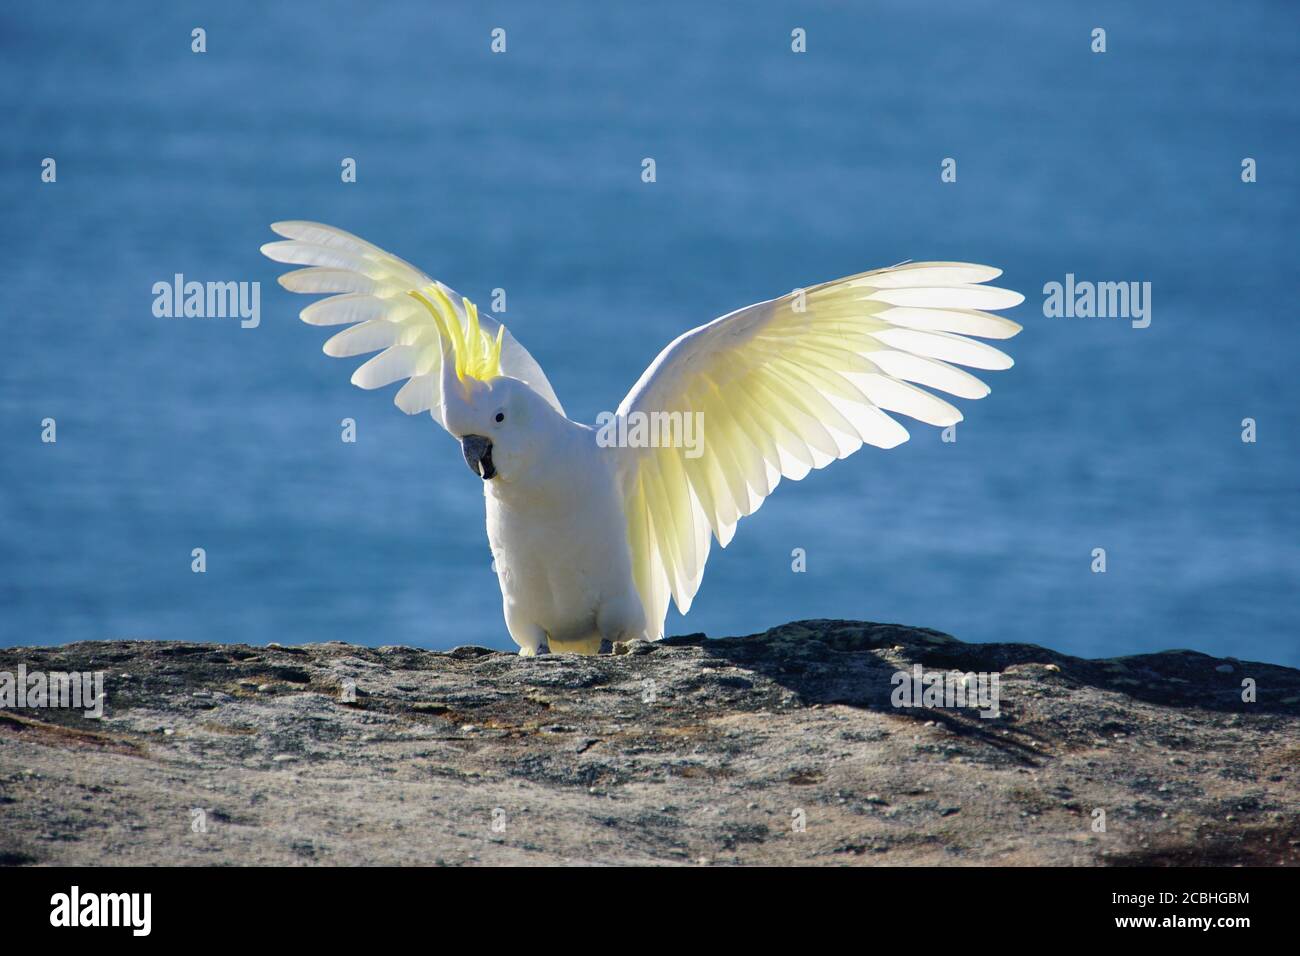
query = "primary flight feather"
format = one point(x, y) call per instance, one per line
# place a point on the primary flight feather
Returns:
point(591, 536)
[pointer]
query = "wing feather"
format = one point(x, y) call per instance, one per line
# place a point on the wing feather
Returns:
point(371, 289)
point(788, 386)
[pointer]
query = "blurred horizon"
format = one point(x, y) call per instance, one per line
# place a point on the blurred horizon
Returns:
point(774, 169)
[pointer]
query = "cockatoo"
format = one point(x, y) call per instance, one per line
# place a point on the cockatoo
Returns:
point(592, 530)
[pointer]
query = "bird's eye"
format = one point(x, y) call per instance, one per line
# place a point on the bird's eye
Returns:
point(501, 416)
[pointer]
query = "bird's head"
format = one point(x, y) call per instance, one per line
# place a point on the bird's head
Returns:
point(500, 423)
point(498, 420)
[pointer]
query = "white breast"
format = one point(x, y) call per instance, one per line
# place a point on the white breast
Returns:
point(561, 552)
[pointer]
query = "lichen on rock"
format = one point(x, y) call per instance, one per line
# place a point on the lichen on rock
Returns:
point(781, 748)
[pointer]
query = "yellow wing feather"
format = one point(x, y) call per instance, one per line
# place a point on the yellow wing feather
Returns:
point(790, 385)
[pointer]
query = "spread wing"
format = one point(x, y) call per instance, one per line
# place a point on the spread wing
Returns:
point(374, 300)
point(790, 385)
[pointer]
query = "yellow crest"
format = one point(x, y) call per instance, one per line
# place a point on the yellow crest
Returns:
point(477, 354)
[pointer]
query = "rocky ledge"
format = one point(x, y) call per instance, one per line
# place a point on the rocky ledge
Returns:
point(779, 748)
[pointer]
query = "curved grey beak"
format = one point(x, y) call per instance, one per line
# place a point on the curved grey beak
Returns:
point(478, 455)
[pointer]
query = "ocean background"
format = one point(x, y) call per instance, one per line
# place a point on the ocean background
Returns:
point(775, 170)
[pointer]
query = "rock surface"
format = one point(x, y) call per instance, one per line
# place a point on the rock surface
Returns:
point(686, 751)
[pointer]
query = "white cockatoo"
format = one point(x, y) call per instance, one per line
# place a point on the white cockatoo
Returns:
point(592, 529)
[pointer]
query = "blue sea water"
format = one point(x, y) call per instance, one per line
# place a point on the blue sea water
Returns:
point(522, 170)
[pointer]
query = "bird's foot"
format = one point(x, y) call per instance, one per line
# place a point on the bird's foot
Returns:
point(537, 651)
point(606, 646)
